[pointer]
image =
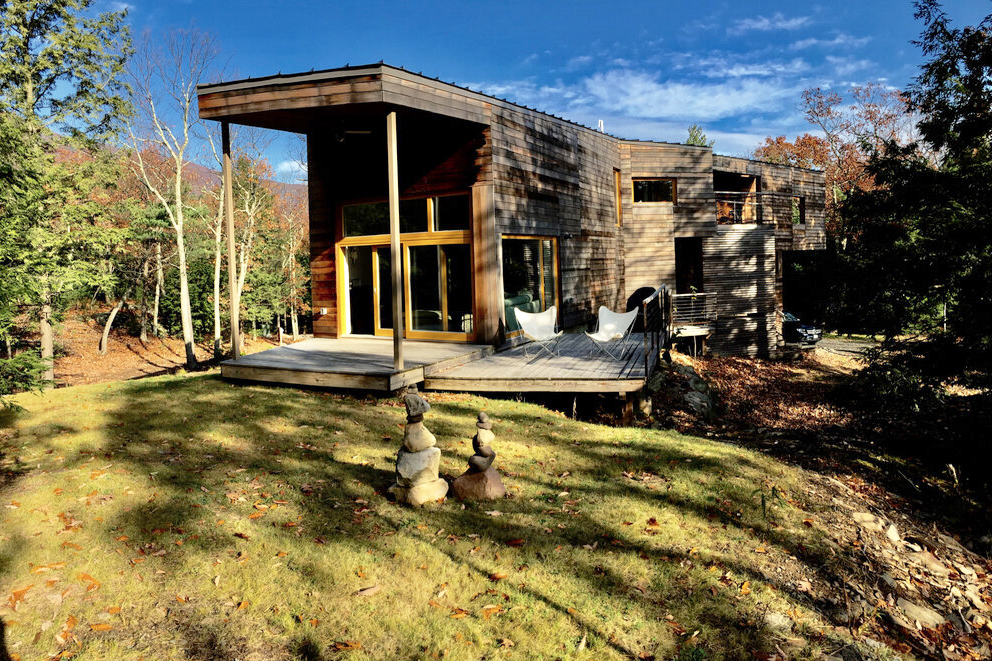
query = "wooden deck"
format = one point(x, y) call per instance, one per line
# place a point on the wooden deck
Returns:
point(581, 367)
point(364, 363)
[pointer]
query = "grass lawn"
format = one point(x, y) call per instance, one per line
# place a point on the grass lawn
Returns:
point(182, 517)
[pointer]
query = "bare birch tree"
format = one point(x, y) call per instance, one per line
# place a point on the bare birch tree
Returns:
point(164, 76)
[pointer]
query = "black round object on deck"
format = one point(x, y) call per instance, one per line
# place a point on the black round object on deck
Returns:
point(634, 302)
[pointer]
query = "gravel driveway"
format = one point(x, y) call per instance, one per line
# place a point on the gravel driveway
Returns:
point(844, 347)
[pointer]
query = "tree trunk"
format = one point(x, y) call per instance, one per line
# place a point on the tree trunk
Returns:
point(10, 350)
point(295, 322)
point(105, 339)
point(218, 236)
point(159, 288)
point(185, 309)
point(143, 298)
point(47, 339)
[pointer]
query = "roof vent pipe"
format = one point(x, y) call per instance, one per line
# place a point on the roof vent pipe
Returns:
point(600, 126)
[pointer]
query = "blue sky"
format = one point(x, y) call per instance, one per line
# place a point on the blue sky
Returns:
point(647, 69)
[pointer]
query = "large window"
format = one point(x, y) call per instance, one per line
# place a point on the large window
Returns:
point(436, 249)
point(530, 276)
point(655, 190)
point(432, 214)
point(440, 286)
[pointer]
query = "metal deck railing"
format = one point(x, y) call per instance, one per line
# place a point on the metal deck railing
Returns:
point(656, 311)
point(698, 309)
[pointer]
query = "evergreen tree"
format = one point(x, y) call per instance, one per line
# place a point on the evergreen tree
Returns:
point(923, 236)
point(60, 76)
point(697, 137)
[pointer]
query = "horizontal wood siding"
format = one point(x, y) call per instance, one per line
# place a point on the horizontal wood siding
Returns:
point(650, 229)
point(554, 178)
point(739, 268)
point(787, 181)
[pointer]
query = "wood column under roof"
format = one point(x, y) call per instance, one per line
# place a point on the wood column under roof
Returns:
point(394, 240)
point(225, 131)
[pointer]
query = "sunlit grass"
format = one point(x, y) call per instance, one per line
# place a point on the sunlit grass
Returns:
point(221, 521)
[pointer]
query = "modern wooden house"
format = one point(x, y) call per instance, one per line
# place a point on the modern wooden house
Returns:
point(472, 206)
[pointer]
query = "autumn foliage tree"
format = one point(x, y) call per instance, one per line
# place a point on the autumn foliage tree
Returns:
point(851, 127)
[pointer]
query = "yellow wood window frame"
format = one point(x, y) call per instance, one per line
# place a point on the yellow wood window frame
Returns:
point(557, 272)
point(375, 241)
point(617, 198)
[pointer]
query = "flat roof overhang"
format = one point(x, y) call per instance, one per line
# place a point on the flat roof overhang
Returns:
point(301, 102)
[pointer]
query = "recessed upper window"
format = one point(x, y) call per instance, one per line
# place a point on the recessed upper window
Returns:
point(654, 190)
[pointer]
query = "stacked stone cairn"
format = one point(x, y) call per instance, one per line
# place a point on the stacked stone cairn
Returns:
point(417, 462)
point(481, 481)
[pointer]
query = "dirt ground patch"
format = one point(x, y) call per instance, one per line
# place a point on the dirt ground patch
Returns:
point(128, 358)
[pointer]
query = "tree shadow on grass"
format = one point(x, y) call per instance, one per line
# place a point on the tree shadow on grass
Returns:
point(202, 444)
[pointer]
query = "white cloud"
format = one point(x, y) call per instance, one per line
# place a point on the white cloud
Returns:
point(797, 65)
point(640, 94)
point(765, 24)
point(841, 39)
point(290, 170)
point(845, 66)
point(578, 62)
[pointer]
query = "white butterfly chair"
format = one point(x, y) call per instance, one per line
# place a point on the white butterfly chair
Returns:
point(613, 332)
point(539, 327)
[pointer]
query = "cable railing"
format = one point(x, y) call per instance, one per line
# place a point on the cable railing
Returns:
point(697, 309)
point(743, 207)
point(734, 207)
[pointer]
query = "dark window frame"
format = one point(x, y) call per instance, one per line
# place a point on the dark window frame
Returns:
point(672, 180)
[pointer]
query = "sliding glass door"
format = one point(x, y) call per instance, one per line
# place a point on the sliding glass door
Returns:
point(530, 276)
point(440, 288)
point(436, 250)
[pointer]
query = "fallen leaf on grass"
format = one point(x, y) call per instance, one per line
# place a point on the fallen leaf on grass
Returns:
point(516, 542)
point(256, 515)
point(367, 592)
point(746, 587)
point(181, 598)
point(653, 523)
point(101, 626)
point(760, 549)
point(66, 634)
point(40, 569)
point(281, 554)
point(241, 535)
point(506, 642)
point(243, 606)
point(91, 583)
point(17, 596)
point(114, 610)
point(70, 545)
point(491, 609)
point(808, 523)
point(458, 613)
point(497, 577)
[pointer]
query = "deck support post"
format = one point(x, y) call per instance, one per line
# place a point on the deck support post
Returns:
point(394, 240)
point(232, 267)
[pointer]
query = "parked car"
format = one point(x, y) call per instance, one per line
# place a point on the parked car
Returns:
point(795, 331)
